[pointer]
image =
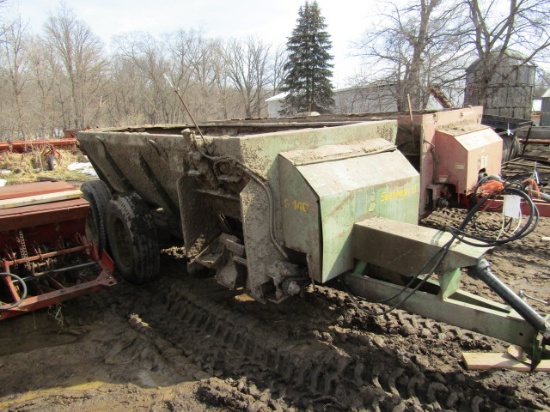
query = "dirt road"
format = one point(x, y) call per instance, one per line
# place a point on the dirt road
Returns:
point(187, 344)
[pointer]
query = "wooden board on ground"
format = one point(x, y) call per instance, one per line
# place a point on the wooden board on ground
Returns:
point(40, 199)
point(484, 361)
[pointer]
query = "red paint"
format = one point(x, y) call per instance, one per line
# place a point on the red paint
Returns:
point(495, 205)
point(54, 236)
point(25, 146)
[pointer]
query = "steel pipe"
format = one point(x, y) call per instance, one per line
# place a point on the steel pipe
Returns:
point(483, 272)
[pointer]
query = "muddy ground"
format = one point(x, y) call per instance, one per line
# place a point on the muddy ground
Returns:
point(187, 344)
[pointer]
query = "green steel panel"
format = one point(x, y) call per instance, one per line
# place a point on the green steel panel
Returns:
point(300, 216)
point(354, 189)
point(260, 151)
point(404, 248)
point(462, 309)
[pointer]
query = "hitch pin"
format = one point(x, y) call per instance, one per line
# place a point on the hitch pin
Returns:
point(523, 295)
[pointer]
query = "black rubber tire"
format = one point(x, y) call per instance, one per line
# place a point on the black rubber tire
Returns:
point(133, 238)
point(97, 193)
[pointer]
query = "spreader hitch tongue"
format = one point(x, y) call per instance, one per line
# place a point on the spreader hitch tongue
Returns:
point(482, 270)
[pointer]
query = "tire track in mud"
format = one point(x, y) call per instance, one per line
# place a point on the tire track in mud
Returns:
point(318, 353)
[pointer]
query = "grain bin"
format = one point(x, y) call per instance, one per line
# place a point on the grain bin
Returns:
point(510, 84)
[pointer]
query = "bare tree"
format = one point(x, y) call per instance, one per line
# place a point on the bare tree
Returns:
point(205, 59)
point(499, 30)
point(63, 77)
point(81, 54)
point(279, 60)
point(224, 90)
point(148, 56)
point(4, 20)
point(196, 65)
point(15, 66)
point(127, 87)
point(198, 72)
point(44, 74)
point(430, 43)
point(416, 46)
point(180, 46)
point(247, 64)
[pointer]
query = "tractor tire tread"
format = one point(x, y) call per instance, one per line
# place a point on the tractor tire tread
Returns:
point(97, 193)
point(141, 231)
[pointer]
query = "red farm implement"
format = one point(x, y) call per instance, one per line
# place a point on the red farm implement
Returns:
point(24, 146)
point(46, 257)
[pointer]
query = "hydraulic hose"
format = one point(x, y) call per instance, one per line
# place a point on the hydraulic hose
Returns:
point(545, 197)
point(23, 295)
point(482, 241)
point(461, 235)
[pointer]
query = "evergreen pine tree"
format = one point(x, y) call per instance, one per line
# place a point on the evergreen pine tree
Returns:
point(308, 71)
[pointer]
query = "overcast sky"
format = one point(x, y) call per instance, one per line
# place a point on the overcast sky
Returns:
point(271, 21)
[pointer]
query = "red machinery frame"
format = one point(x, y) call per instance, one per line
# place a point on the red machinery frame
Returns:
point(23, 146)
point(44, 240)
point(495, 205)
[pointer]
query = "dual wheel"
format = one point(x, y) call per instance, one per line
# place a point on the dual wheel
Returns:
point(123, 225)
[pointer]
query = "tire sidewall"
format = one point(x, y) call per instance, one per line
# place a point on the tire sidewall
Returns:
point(131, 230)
point(97, 193)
